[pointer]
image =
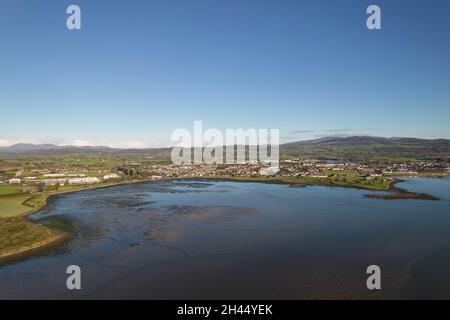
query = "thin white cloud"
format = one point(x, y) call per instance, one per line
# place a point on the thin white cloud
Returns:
point(5, 143)
point(80, 143)
point(131, 144)
point(340, 130)
point(300, 132)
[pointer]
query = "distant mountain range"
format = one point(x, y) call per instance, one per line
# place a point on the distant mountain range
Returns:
point(369, 148)
point(355, 147)
point(26, 147)
point(368, 140)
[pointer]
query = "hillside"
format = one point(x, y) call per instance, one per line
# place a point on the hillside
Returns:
point(348, 148)
point(369, 148)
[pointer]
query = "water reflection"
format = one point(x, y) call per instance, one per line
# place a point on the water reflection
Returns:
point(204, 239)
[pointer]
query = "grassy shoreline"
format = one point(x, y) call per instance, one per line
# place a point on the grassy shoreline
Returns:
point(301, 182)
point(392, 191)
point(56, 236)
point(48, 237)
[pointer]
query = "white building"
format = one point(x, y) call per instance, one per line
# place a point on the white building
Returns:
point(74, 181)
point(111, 176)
point(87, 180)
point(54, 182)
point(270, 171)
point(90, 180)
point(14, 181)
point(54, 175)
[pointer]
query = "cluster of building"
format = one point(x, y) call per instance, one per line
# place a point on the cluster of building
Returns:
point(249, 169)
point(59, 179)
point(416, 167)
point(203, 170)
point(287, 168)
point(295, 168)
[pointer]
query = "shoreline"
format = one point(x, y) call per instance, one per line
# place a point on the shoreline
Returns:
point(395, 193)
point(57, 193)
point(58, 236)
point(398, 193)
point(392, 193)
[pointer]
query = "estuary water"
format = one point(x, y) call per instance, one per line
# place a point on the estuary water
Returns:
point(205, 239)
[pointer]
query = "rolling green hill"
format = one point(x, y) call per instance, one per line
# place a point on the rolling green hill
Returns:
point(369, 148)
point(348, 148)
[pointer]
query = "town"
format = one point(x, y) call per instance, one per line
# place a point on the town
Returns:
point(353, 173)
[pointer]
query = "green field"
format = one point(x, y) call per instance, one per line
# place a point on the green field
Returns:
point(341, 172)
point(16, 233)
point(14, 202)
point(14, 206)
point(7, 190)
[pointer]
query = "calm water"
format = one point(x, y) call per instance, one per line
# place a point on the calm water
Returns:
point(204, 239)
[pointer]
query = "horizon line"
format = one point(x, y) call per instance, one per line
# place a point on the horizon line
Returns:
point(111, 146)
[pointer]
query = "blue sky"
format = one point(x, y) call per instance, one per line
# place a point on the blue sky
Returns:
point(137, 70)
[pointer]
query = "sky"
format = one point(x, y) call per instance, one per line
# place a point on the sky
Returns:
point(138, 70)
